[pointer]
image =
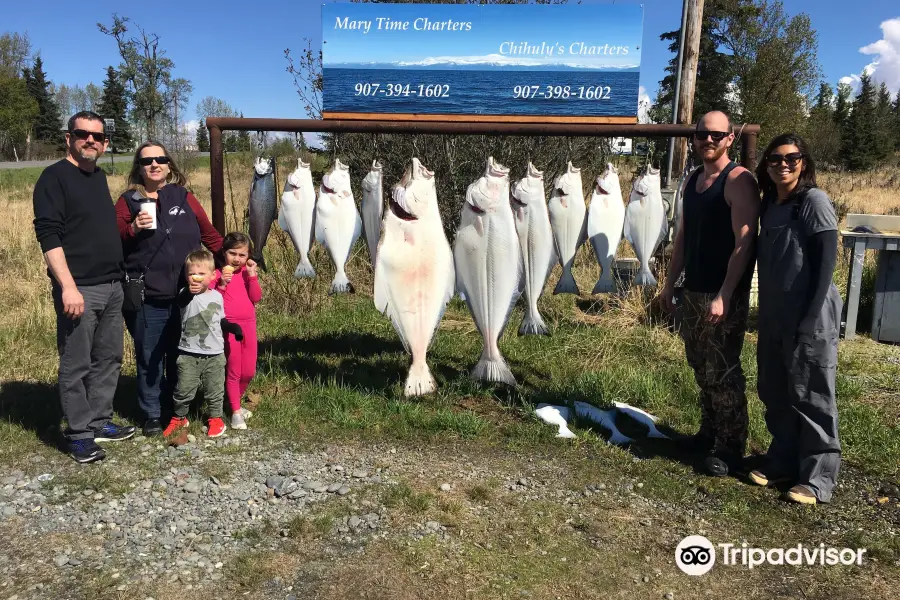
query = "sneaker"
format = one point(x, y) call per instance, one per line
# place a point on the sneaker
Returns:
point(801, 495)
point(113, 433)
point(175, 424)
point(152, 427)
point(766, 478)
point(720, 465)
point(86, 451)
point(237, 421)
point(216, 427)
point(245, 413)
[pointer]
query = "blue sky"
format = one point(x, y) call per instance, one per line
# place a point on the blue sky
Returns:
point(235, 50)
point(491, 27)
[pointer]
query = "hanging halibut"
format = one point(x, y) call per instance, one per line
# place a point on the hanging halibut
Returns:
point(338, 224)
point(414, 276)
point(262, 206)
point(488, 265)
point(372, 208)
point(645, 222)
point(567, 212)
point(298, 215)
point(606, 218)
point(529, 203)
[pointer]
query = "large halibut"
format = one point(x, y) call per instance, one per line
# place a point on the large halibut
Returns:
point(567, 218)
point(338, 224)
point(606, 218)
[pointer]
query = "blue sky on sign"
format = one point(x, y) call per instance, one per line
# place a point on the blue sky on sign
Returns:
point(235, 50)
point(357, 33)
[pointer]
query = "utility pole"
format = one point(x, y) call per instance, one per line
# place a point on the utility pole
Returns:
point(693, 23)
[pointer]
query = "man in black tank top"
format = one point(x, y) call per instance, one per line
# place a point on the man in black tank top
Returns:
point(715, 249)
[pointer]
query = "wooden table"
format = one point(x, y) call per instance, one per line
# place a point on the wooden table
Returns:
point(888, 240)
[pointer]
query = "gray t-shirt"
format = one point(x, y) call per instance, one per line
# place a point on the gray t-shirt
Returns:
point(201, 324)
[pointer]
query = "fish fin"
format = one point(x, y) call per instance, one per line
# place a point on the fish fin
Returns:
point(605, 286)
point(304, 269)
point(419, 381)
point(341, 285)
point(566, 284)
point(260, 261)
point(357, 227)
point(645, 277)
point(533, 325)
point(493, 370)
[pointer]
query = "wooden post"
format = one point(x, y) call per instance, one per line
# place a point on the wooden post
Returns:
point(748, 152)
point(694, 24)
point(217, 179)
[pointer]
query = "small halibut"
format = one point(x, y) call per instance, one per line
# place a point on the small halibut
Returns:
point(606, 218)
point(529, 203)
point(645, 222)
point(414, 274)
point(567, 218)
point(338, 224)
point(298, 215)
point(489, 265)
point(372, 208)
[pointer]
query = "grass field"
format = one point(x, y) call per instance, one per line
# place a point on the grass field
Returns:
point(333, 368)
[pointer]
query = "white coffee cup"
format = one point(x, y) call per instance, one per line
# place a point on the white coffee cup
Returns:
point(150, 209)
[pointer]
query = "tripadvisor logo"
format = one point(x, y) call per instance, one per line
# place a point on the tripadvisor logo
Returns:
point(696, 555)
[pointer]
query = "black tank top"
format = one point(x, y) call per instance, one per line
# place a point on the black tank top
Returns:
point(708, 237)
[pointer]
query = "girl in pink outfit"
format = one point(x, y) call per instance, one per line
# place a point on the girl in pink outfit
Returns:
point(239, 286)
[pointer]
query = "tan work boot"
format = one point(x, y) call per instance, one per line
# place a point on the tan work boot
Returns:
point(801, 495)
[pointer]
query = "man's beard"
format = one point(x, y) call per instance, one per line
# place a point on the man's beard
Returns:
point(718, 152)
point(81, 153)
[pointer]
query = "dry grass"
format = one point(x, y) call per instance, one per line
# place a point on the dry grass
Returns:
point(874, 192)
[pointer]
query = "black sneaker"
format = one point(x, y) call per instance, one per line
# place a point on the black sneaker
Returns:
point(152, 427)
point(721, 464)
point(86, 451)
point(113, 433)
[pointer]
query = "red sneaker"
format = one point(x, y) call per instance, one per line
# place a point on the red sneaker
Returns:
point(175, 424)
point(216, 427)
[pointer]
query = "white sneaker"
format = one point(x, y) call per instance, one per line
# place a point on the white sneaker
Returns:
point(245, 413)
point(237, 421)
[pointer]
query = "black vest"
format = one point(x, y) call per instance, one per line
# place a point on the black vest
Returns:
point(709, 237)
point(165, 273)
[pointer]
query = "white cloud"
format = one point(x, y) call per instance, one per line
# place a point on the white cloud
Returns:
point(644, 104)
point(886, 65)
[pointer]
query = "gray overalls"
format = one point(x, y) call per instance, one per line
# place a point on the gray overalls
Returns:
point(797, 371)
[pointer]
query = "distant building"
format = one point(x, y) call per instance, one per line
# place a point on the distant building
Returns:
point(621, 146)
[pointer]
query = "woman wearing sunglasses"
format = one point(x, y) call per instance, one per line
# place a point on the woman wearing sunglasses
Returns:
point(799, 317)
point(160, 223)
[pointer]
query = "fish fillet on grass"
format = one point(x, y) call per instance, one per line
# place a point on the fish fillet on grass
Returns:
point(645, 223)
point(606, 218)
point(567, 218)
point(372, 208)
point(529, 203)
point(298, 215)
point(414, 274)
point(262, 206)
point(338, 224)
point(489, 265)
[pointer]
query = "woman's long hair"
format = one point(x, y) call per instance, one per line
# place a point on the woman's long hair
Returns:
point(136, 180)
point(807, 174)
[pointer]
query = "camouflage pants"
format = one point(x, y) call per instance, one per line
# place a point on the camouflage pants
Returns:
point(714, 352)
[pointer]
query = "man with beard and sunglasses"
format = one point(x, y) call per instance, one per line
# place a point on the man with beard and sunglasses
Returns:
point(715, 249)
point(75, 224)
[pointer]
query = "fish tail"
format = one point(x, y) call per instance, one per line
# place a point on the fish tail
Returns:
point(419, 381)
point(493, 370)
point(261, 262)
point(645, 277)
point(566, 284)
point(605, 285)
point(533, 324)
point(340, 284)
point(304, 269)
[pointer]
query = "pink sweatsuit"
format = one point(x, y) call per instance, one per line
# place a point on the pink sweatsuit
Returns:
point(241, 296)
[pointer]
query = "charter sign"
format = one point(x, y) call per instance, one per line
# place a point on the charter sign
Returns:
point(517, 62)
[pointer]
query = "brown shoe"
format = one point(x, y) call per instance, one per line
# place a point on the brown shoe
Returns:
point(801, 495)
point(764, 478)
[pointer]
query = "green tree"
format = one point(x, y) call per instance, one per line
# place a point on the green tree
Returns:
point(153, 91)
point(896, 111)
point(243, 142)
point(15, 50)
point(48, 123)
point(884, 130)
point(859, 140)
point(114, 105)
point(202, 138)
point(210, 106)
point(842, 103)
point(18, 112)
point(822, 131)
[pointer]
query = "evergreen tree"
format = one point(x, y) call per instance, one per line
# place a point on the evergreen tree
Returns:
point(822, 132)
point(202, 138)
point(884, 130)
point(114, 105)
point(859, 136)
point(243, 140)
point(896, 112)
point(842, 104)
point(48, 124)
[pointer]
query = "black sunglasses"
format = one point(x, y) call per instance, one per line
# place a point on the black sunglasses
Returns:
point(791, 159)
point(83, 134)
point(146, 161)
point(716, 136)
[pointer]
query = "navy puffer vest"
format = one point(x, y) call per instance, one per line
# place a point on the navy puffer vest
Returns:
point(165, 274)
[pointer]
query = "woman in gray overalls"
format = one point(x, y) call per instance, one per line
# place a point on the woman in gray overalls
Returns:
point(799, 317)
